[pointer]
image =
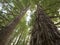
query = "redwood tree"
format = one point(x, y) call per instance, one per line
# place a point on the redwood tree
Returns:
point(8, 30)
point(44, 31)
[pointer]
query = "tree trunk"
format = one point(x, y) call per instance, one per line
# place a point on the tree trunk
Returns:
point(4, 34)
point(44, 31)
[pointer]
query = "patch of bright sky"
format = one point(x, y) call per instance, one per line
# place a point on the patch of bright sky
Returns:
point(57, 18)
point(4, 11)
point(58, 28)
point(11, 4)
point(59, 11)
point(29, 13)
point(28, 16)
point(0, 6)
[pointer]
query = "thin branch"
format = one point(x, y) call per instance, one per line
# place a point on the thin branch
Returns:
point(57, 23)
point(58, 16)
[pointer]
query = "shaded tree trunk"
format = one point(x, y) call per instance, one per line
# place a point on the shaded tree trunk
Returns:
point(4, 34)
point(44, 31)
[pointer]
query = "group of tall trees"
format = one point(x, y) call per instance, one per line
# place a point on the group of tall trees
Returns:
point(42, 29)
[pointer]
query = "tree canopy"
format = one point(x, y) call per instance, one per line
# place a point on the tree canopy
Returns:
point(21, 13)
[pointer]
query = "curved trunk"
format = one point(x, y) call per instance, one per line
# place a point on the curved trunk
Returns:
point(44, 31)
point(4, 34)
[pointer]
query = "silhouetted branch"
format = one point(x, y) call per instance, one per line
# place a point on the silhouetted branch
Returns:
point(54, 16)
point(57, 23)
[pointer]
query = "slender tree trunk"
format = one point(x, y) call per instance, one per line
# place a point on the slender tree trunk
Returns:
point(4, 34)
point(44, 31)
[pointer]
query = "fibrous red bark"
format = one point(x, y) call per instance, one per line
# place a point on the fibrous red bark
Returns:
point(44, 31)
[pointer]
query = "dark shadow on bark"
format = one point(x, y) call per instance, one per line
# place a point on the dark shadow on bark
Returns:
point(44, 31)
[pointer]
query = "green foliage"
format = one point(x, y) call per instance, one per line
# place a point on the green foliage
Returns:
point(13, 8)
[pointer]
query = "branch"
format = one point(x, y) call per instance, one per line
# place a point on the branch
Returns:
point(57, 23)
point(54, 16)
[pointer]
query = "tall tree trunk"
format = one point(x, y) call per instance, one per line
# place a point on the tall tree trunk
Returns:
point(4, 34)
point(44, 31)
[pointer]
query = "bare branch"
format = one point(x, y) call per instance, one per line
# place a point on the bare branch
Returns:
point(55, 16)
point(57, 23)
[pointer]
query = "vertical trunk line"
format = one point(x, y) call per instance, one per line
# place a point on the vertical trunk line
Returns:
point(44, 31)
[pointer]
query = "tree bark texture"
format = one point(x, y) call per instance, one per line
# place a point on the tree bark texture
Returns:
point(4, 34)
point(44, 31)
